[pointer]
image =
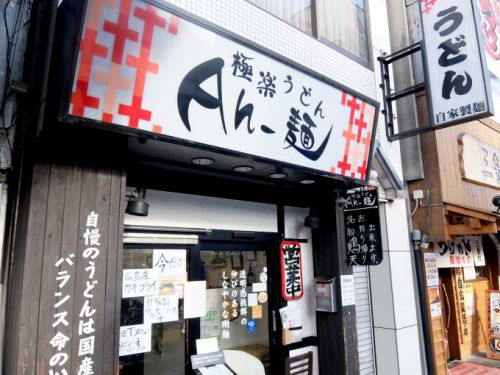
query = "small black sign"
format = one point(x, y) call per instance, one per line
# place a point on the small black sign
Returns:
point(362, 228)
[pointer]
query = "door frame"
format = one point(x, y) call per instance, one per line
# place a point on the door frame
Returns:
point(230, 240)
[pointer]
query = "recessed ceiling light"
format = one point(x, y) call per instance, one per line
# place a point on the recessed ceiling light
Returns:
point(202, 161)
point(307, 182)
point(243, 168)
point(278, 175)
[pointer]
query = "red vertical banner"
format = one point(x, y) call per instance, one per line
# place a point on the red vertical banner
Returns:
point(292, 285)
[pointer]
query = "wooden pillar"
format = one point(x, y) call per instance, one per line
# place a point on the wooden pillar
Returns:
point(57, 200)
point(337, 334)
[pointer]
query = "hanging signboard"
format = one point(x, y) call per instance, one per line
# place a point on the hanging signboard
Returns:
point(362, 228)
point(187, 82)
point(457, 77)
point(479, 161)
point(462, 252)
point(490, 27)
point(292, 284)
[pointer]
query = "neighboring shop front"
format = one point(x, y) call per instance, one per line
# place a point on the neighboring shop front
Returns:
point(461, 255)
point(243, 177)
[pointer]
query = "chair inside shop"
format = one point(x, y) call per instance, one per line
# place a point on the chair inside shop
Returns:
point(299, 365)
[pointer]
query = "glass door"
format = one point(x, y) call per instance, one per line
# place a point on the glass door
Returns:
point(240, 303)
point(152, 300)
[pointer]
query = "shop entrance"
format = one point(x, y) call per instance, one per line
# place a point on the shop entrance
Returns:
point(239, 269)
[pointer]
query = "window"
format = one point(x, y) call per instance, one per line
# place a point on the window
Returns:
point(342, 23)
point(295, 12)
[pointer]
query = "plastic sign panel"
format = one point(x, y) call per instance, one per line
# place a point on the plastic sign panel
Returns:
point(457, 76)
point(479, 161)
point(362, 228)
point(144, 68)
point(292, 285)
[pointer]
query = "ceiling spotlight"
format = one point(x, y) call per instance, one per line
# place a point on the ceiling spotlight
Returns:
point(137, 204)
point(279, 174)
point(307, 182)
point(202, 161)
point(243, 168)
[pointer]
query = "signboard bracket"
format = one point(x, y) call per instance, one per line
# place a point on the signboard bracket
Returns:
point(391, 97)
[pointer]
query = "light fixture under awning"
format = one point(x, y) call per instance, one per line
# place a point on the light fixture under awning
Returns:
point(387, 175)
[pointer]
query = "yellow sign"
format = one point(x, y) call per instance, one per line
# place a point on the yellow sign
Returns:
point(257, 312)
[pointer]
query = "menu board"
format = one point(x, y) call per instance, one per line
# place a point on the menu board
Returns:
point(362, 228)
point(493, 301)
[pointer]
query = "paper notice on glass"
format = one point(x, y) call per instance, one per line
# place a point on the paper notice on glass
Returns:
point(257, 312)
point(208, 345)
point(469, 273)
point(431, 270)
point(252, 299)
point(135, 339)
point(140, 282)
point(172, 285)
point(160, 309)
point(259, 287)
point(169, 262)
point(195, 299)
point(347, 290)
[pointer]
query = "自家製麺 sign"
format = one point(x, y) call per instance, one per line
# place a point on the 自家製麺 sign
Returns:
point(159, 72)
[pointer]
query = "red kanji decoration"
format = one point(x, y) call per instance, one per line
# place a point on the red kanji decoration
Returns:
point(173, 27)
point(360, 122)
point(134, 111)
point(121, 31)
point(88, 49)
point(344, 166)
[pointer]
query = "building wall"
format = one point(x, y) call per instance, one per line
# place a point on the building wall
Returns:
point(393, 288)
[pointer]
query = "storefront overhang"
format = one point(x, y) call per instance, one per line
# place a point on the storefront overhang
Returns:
point(386, 174)
point(464, 221)
point(196, 89)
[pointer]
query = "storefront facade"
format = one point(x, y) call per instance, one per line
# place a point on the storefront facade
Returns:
point(219, 117)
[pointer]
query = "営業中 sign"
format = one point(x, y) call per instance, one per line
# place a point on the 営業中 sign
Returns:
point(159, 72)
point(362, 228)
point(292, 285)
point(456, 69)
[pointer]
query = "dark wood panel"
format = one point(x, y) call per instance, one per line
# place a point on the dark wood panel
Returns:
point(56, 204)
point(32, 270)
point(51, 254)
point(71, 234)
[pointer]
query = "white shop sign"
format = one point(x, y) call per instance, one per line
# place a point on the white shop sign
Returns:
point(479, 161)
point(455, 62)
point(168, 75)
point(462, 252)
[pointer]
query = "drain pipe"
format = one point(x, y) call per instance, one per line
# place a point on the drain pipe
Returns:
point(416, 238)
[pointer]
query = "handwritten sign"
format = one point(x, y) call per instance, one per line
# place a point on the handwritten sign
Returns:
point(169, 262)
point(135, 339)
point(140, 282)
point(462, 252)
point(159, 309)
point(493, 305)
point(479, 161)
point(362, 228)
point(292, 285)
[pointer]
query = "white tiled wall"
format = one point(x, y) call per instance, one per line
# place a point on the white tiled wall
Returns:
point(260, 27)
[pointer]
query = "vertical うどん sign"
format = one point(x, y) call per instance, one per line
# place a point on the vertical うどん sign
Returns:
point(455, 62)
point(159, 72)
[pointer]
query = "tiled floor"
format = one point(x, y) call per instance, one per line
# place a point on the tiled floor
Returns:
point(476, 364)
point(467, 368)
